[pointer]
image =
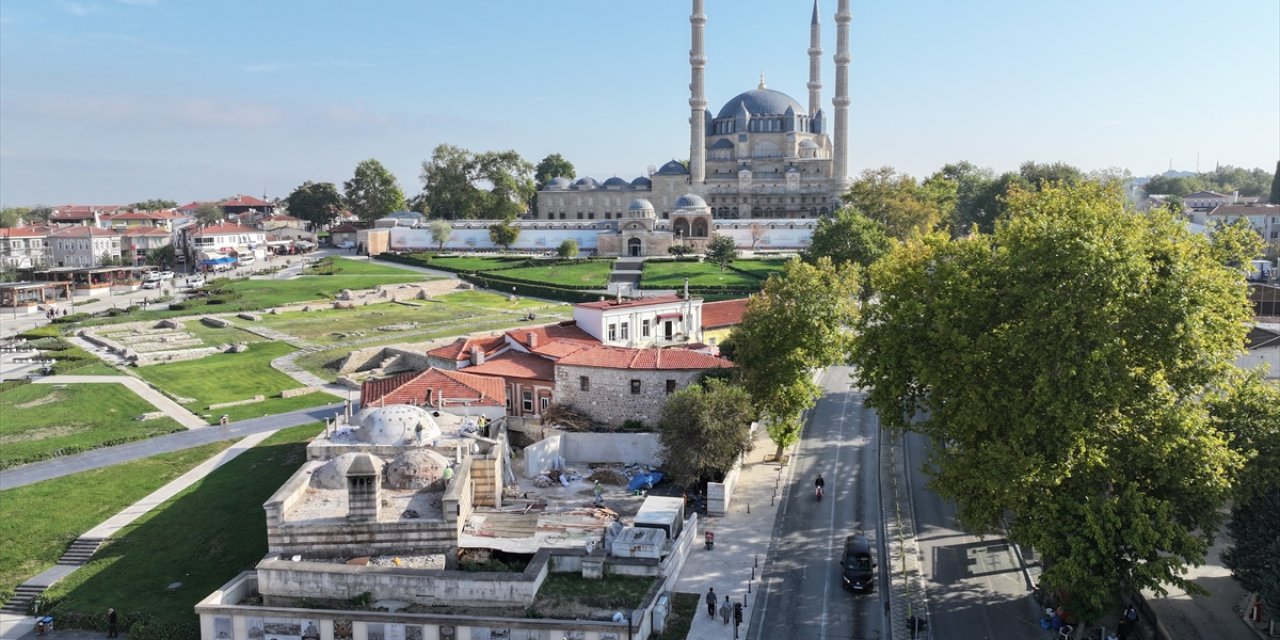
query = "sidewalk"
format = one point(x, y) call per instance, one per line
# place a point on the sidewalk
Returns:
point(742, 543)
point(13, 627)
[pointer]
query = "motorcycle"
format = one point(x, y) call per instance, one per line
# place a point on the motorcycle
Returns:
point(818, 493)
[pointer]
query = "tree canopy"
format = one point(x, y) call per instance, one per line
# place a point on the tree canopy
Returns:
point(154, 204)
point(165, 257)
point(209, 213)
point(722, 250)
point(895, 200)
point(1275, 187)
point(318, 203)
point(798, 322)
point(372, 192)
point(703, 429)
point(504, 234)
point(1066, 360)
point(460, 185)
point(553, 166)
point(568, 248)
point(848, 237)
point(440, 232)
point(9, 216)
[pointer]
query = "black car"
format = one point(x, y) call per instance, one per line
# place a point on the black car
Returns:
point(858, 564)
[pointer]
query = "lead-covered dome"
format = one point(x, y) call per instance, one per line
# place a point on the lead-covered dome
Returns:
point(690, 201)
point(640, 208)
point(761, 102)
point(642, 183)
point(616, 183)
point(558, 182)
point(673, 168)
point(397, 424)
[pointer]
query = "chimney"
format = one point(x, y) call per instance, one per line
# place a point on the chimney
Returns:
point(477, 355)
point(1235, 197)
point(532, 339)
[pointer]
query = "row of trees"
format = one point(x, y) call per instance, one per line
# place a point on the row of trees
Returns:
point(1226, 179)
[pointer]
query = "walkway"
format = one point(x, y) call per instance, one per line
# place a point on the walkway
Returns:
point(145, 391)
point(17, 626)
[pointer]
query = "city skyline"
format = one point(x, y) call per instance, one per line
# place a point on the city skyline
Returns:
point(117, 101)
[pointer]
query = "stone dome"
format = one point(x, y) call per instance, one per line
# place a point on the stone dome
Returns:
point(333, 474)
point(642, 183)
point(616, 183)
point(558, 182)
point(673, 168)
point(761, 102)
point(640, 208)
point(586, 182)
point(808, 144)
point(691, 201)
point(416, 469)
point(395, 424)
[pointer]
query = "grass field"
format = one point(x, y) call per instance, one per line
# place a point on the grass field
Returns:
point(201, 537)
point(42, 421)
point(584, 273)
point(760, 268)
point(470, 263)
point(38, 521)
point(671, 275)
point(264, 294)
point(233, 376)
point(347, 267)
point(210, 336)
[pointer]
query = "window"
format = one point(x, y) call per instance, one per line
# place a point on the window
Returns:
point(635, 387)
point(613, 332)
point(625, 334)
point(543, 403)
point(584, 383)
point(671, 387)
point(526, 401)
point(644, 329)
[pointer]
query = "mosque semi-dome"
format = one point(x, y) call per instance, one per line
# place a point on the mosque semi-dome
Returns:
point(761, 102)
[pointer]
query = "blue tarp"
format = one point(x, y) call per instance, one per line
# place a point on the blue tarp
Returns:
point(644, 481)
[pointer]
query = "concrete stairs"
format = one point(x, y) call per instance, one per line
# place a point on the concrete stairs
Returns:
point(76, 555)
point(20, 603)
point(626, 275)
point(80, 551)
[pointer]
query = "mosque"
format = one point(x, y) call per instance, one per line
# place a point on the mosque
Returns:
point(762, 156)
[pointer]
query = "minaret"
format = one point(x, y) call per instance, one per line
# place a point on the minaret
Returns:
point(841, 101)
point(815, 62)
point(697, 99)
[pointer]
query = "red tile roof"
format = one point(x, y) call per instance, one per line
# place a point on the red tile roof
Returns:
point(158, 232)
point(553, 340)
point(453, 387)
point(84, 232)
point(460, 349)
point(612, 303)
point(190, 206)
point(24, 232)
point(516, 364)
point(224, 229)
point(725, 313)
point(346, 227)
point(244, 201)
point(622, 358)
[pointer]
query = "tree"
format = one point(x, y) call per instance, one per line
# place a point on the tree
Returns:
point(967, 183)
point(722, 250)
point(848, 237)
point(568, 248)
point(209, 213)
point(758, 233)
point(373, 193)
point(703, 430)
point(319, 203)
point(1235, 243)
point(154, 204)
point(460, 185)
point(164, 257)
point(1066, 360)
point(503, 234)
point(553, 166)
point(108, 259)
point(1275, 186)
point(1041, 175)
point(440, 232)
point(10, 216)
point(895, 200)
point(799, 321)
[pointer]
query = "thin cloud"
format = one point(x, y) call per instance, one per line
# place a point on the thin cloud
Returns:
point(137, 3)
point(80, 10)
point(265, 67)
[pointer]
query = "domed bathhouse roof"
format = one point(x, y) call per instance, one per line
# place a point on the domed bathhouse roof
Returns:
point(396, 424)
point(586, 182)
point(333, 474)
point(673, 168)
point(616, 183)
point(642, 183)
point(416, 469)
point(556, 183)
point(760, 102)
point(691, 201)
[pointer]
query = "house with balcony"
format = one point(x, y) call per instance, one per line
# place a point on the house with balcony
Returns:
point(83, 246)
point(24, 247)
point(137, 242)
point(225, 238)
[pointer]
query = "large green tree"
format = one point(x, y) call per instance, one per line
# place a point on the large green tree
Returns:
point(1066, 360)
point(165, 257)
point(319, 203)
point(209, 213)
point(703, 429)
point(373, 192)
point(440, 232)
point(895, 200)
point(154, 204)
point(801, 320)
point(459, 185)
point(503, 234)
point(848, 237)
point(721, 250)
point(967, 184)
point(553, 166)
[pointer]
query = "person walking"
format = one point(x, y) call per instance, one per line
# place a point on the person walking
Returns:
point(711, 602)
point(726, 610)
point(112, 631)
point(599, 493)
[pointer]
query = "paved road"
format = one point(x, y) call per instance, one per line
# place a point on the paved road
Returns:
point(57, 467)
point(802, 596)
point(976, 587)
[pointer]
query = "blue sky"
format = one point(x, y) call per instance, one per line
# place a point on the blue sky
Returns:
point(114, 101)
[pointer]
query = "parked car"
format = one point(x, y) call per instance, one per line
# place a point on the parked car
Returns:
point(195, 282)
point(858, 564)
point(151, 284)
point(152, 276)
point(346, 244)
point(166, 275)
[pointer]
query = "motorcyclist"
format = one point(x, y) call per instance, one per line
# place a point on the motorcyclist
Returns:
point(820, 485)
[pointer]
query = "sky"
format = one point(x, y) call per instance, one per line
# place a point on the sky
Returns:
point(117, 101)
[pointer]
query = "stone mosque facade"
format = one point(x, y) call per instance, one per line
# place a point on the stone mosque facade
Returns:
point(762, 157)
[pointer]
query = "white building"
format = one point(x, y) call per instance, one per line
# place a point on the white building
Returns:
point(83, 246)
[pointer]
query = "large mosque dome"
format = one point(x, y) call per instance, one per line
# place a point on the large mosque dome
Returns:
point(761, 102)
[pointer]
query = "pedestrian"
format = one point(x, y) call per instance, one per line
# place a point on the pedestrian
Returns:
point(726, 610)
point(599, 493)
point(1131, 613)
point(711, 602)
point(112, 632)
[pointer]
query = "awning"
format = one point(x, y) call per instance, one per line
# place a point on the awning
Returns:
point(670, 316)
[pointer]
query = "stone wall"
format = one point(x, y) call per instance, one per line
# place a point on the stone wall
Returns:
point(300, 391)
point(609, 399)
point(624, 448)
point(720, 494)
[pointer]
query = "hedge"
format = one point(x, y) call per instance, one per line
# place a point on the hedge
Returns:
point(503, 285)
point(46, 331)
point(424, 260)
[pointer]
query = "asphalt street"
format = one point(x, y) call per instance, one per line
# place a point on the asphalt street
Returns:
point(803, 597)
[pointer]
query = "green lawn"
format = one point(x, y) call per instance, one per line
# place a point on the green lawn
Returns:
point(201, 537)
point(584, 273)
point(229, 377)
point(38, 521)
point(469, 263)
point(263, 294)
point(42, 421)
point(671, 275)
point(610, 592)
point(210, 336)
point(349, 267)
point(760, 268)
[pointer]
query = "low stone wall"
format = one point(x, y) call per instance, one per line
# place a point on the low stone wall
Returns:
point(720, 494)
point(214, 321)
point(623, 448)
point(300, 391)
point(157, 357)
point(252, 317)
point(238, 403)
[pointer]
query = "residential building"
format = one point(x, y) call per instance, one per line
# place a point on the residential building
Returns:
point(82, 215)
point(1206, 200)
point(719, 319)
point(246, 204)
point(24, 247)
point(137, 242)
point(225, 237)
point(83, 246)
point(615, 385)
point(642, 322)
point(1265, 218)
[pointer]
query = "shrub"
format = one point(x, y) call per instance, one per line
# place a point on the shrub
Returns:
point(46, 331)
point(72, 317)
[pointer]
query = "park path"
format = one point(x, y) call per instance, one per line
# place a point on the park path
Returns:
point(145, 391)
point(14, 624)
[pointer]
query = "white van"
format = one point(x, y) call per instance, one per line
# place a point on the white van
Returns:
point(246, 260)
